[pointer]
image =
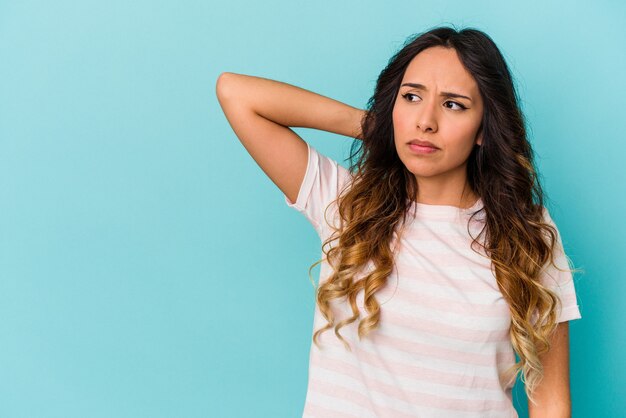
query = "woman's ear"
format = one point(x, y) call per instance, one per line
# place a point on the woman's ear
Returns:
point(479, 136)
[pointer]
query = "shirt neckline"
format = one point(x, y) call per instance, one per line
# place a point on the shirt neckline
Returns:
point(425, 210)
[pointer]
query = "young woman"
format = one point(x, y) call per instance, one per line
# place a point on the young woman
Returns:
point(440, 261)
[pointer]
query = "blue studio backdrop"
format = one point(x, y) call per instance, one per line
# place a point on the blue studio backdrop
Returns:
point(149, 268)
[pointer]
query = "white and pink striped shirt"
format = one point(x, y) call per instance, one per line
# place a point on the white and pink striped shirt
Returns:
point(443, 344)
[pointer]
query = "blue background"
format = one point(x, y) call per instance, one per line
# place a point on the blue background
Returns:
point(149, 268)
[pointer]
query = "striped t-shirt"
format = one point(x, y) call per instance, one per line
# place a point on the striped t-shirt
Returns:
point(442, 344)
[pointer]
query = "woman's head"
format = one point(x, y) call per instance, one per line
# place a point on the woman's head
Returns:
point(483, 152)
point(444, 60)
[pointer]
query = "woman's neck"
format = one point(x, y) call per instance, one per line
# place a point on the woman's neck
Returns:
point(466, 200)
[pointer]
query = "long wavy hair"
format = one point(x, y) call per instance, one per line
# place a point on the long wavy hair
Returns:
point(501, 171)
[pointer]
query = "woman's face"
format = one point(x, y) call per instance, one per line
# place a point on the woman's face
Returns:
point(428, 113)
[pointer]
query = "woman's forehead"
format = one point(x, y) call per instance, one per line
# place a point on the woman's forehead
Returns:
point(440, 68)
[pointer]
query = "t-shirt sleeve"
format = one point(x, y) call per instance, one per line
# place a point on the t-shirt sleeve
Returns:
point(561, 281)
point(323, 181)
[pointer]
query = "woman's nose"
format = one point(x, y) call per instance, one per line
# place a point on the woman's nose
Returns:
point(427, 116)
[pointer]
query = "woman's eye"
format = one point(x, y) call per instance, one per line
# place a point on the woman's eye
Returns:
point(460, 106)
point(406, 96)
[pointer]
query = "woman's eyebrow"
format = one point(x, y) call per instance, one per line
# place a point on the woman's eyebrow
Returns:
point(443, 93)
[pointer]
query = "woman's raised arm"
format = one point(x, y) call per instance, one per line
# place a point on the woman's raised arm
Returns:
point(261, 110)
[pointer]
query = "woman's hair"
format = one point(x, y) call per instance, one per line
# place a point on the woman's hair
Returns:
point(501, 171)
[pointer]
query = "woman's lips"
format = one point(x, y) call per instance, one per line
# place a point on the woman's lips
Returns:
point(420, 149)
